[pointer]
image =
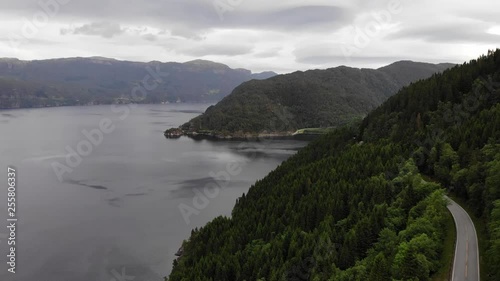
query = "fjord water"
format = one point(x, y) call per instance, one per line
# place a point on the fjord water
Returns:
point(116, 215)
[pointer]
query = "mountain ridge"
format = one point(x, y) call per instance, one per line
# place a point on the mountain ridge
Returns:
point(99, 80)
point(306, 99)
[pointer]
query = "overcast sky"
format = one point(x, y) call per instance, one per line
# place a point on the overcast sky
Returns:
point(279, 35)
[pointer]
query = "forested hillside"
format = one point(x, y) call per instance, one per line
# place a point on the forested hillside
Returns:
point(97, 80)
point(353, 205)
point(311, 99)
point(23, 94)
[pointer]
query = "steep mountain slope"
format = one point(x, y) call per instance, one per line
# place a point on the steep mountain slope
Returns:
point(108, 80)
point(353, 204)
point(315, 98)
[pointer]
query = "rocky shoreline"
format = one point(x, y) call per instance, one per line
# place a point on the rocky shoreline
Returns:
point(175, 133)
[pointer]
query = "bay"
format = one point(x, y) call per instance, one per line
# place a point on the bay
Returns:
point(117, 214)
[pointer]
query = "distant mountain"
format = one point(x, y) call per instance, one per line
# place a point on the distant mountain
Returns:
point(97, 80)
point(311, 99)
point(24, 94)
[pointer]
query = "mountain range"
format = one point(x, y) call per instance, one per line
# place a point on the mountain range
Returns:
point(97, 80)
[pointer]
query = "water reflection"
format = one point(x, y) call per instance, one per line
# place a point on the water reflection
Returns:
point(119, 208)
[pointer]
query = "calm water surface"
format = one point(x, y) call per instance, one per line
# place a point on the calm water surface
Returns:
point(116, 215)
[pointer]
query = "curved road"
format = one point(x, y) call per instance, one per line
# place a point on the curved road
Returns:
point(466, 263)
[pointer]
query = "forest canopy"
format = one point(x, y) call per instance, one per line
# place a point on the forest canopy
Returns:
point(354, 205)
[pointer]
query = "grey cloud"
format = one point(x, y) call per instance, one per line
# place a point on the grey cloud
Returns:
point(103, 29)
point(343, 60)
point(267, 53)
point(291, 19)
point(319, 54)
point(150, 37)
point(196, 15)
point(31, 41)
point(319, 59)
point(462, 33)
point(190, 28)
point(489, 15)
point(221, 49)
point(331, 54)
point(187, 33)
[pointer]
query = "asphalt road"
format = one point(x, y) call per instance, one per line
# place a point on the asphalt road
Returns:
point(466, 263)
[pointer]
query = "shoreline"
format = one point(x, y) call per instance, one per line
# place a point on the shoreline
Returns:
point(176, 133)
